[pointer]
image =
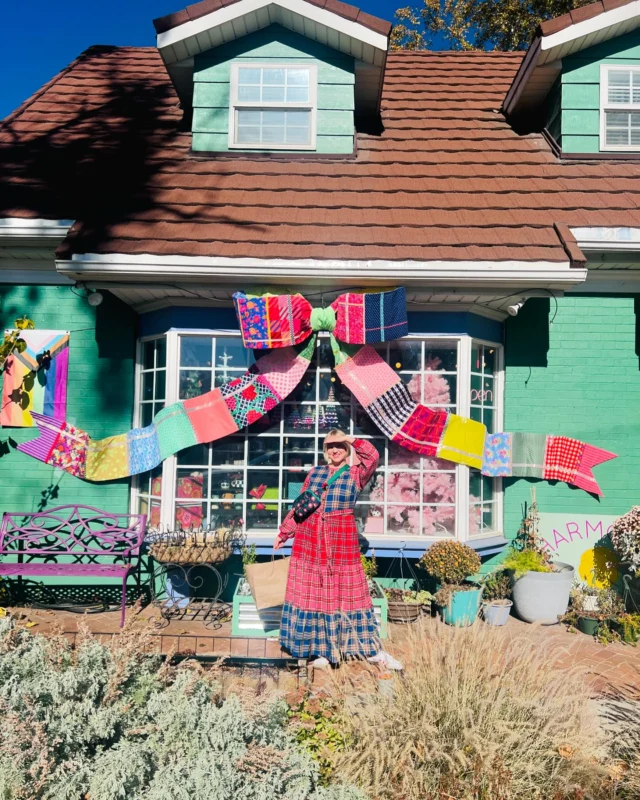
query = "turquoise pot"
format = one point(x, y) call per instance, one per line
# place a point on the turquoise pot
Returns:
point(462, 609)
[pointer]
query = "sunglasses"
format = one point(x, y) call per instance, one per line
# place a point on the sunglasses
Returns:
point(336, 445)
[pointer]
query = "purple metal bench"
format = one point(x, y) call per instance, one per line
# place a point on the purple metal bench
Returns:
point(82, 536)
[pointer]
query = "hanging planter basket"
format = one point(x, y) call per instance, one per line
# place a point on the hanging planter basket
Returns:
point(193, 547)
point(403, 612)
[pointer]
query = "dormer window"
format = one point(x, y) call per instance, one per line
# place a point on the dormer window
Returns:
point(619, 108)
point(273, 106)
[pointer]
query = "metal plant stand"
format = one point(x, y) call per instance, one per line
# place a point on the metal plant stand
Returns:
point(189, 593)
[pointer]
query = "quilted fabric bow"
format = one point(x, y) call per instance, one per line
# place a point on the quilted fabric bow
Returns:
point(287, 326)
point(273, 321)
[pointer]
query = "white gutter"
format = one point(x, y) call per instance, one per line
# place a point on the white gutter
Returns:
point(18, 229)
point(152, 268)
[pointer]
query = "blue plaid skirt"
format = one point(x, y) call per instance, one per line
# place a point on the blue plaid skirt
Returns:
point(334, 636)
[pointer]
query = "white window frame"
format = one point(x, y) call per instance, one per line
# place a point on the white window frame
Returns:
point(463, 407)
point(311, 106)
point(605, 106)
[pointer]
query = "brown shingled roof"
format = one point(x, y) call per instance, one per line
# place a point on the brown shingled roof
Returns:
point(448, 179)
point(197, 10)
point(580, 15)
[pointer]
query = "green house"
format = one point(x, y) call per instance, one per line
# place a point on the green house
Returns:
point(283, 148)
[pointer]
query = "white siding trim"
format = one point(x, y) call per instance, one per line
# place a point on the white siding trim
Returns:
point(582, 29)
point(306, 10)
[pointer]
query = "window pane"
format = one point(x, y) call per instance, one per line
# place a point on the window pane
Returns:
point(264, 451)
point(615, 137)
point(298, 452)
point(273, 94)
point(161, 353)
point(297, 94)
point(147, 385)
point(298, 135)
point(273, 77)
point(249, 94)
point(439, 356)
point(146, 414)
point(231, 354)
point(617, 119)
point(276, 118)
point(406, 355)
point(194, 456)
point(194, 382)
point(247, 116)
point(195, 351)
point(161, 375)
point(248, 135)
point(273, 136)
point(249, 75)
point(148, 350)
point(619, 86)
point(228, 451)
point(297, 77)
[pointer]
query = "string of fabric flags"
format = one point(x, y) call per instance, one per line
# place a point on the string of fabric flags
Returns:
point(287, 325)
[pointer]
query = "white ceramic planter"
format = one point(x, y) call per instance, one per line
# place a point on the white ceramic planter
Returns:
point(543, 596)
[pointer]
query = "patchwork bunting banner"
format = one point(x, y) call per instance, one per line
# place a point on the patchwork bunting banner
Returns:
point(36, 379)
point(286, 325)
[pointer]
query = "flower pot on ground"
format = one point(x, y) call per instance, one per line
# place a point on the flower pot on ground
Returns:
point(588, 625)
point(540, 588)
point(451, 563)
point(496, 606)
point(407, 605)
point(593, 621)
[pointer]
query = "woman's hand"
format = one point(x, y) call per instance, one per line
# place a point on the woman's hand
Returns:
point(279, 542)
point(340, 437)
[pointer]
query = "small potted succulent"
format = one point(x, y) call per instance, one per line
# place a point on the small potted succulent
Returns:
point(406, 605)
point(496, 605)
point(451, 564)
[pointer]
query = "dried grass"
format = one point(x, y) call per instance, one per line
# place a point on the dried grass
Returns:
point(477, 718)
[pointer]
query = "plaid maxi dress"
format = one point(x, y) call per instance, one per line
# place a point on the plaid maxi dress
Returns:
point(328, 610)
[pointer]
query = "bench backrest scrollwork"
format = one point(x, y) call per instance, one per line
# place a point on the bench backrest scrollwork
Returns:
point(72, 530)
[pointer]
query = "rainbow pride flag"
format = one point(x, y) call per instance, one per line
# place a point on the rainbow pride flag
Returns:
point(36, 380)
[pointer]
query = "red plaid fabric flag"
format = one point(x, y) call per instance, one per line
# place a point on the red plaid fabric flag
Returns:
point(423, 430)
point(562, 458)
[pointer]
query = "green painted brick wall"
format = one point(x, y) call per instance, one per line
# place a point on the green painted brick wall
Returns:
point(580, 119)
point(336, 81)
point(99, 393)
point(579, 377)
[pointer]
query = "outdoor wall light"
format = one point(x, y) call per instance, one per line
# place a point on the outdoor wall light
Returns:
point(95, 298)
point(515, 308)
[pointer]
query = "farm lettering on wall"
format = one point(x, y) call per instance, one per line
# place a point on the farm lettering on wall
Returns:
point(287, 325)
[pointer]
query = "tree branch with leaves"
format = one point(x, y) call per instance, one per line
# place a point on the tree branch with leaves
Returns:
point(474, 24)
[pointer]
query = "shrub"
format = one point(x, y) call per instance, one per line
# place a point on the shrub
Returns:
point(625, 537)
point(523, 561)
point(475, 717)
point(412, 597)
point(497, 586)
point(108, 721)
point(450, 562)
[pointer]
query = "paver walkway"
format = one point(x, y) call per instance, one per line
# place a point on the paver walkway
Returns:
point(615, 666)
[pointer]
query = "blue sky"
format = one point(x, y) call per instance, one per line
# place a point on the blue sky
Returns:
point(42, 37)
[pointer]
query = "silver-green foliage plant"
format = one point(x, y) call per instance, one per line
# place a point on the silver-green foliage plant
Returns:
point(111, 722)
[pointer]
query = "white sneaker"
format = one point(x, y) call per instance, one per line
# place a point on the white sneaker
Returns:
point(320, 663)
point(385, 658)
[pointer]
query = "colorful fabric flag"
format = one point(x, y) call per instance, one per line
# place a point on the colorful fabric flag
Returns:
point(538, 455)
point(286, 325)
point(36, 379)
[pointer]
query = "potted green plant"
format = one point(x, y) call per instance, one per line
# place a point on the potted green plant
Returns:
point(540, 587)
point(406, 605)
point(451, 563)
point(496, 605)
point(592, 608)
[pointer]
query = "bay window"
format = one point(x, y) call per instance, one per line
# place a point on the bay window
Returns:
point(255, 475)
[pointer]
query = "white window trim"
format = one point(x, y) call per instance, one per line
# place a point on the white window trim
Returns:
point(605, 106)
point(463, 407)
point(311, 106)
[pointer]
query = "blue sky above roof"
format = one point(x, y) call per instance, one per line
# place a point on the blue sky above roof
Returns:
point(43, 37)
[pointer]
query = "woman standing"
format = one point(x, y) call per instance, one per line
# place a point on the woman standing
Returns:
point(328, 611)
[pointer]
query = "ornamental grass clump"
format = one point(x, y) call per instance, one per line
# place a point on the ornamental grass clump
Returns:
point(625, 537)
point(476, 716)
point(109, 721)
